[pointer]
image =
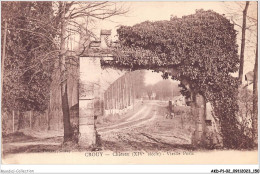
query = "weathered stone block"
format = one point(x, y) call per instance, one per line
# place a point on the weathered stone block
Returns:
point(86, 120)
point(86, 113)
point(87, 135)
point(90, 72)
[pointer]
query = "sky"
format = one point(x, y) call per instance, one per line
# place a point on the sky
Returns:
point(154, 11)
point(152, 77)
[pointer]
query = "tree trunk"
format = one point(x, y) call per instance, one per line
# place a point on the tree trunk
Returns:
point(48, 120)
point(49, 113)
point(242, 53)
point(3, 58)
point(58, 119)
point(63, 75)
point(255, 100)
point(19, 120)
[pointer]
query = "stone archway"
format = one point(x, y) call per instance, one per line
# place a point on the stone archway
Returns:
point(202, 47)
point(206, 130)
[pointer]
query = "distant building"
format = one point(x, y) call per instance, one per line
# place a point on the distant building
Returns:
point(249, 78)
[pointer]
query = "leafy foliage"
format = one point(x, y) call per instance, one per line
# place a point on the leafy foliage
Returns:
point(202, 48)
point(29, 62)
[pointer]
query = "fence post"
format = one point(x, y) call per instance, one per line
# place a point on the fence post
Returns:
point(13, 120)
point(30, 119)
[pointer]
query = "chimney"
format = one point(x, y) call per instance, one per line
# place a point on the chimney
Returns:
point(105, 38)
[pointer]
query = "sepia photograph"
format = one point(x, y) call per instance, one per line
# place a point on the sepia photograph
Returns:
point(129, 82)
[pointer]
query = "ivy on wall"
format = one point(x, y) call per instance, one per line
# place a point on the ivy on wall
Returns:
point(202, 48)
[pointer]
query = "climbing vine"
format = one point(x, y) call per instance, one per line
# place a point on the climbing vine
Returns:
point(203, 49)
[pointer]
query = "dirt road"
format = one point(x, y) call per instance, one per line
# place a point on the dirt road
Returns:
point(147, 129)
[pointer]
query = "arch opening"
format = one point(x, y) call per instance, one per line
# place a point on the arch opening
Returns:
point(198, 60)
point(113, 108)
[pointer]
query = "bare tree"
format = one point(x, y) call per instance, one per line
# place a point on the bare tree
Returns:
point(243, 15)
point(63, 72)
point(242, 53)
point(255, 100)
point(71, 14)
point(249, 45)
point(149, 91)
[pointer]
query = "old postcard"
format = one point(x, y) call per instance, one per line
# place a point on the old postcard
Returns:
point(97, 82)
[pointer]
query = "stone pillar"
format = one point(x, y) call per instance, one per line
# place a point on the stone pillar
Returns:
point(198, 111)
point(207, 132)
point(89, 99)
point(212, 132)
